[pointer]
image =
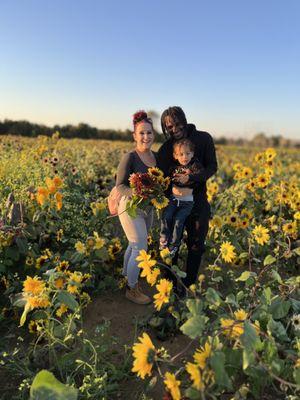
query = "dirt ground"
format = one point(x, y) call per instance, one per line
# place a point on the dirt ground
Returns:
point(123, 316)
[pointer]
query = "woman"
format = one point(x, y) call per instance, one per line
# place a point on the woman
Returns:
point(136, 229)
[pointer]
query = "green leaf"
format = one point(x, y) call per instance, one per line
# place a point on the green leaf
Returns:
point(155, 322)
point(46, 386)
point(217, 362)
point(19, 300)
point(296, 375)
point(275, 275)
point(195, 306)
point(244, 255)
point(12, 253)
point(194, 326)
point(178, 272)
point(279, 308)
point(269, 260)
point(267, 295)
point(277, 330)
point(67, 299)
point(250, 340)
point(27, 309)
point(297, 251)
point(250, 337)
point(22, 245)
point(245, 276)
point(213, 297)
point(192, 393)
point(295, 305)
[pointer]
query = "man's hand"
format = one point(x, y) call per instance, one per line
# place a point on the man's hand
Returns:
point(181, 178)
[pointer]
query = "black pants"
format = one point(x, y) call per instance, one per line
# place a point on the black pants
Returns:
point(197, 228)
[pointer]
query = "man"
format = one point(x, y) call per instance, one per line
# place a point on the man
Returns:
point(175, 127)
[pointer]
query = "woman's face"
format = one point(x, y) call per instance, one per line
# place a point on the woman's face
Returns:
point(143, 136)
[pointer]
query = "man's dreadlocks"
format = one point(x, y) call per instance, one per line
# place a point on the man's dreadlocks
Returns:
point(176, 113)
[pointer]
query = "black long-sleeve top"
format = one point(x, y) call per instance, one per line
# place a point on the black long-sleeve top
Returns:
point(204, 152)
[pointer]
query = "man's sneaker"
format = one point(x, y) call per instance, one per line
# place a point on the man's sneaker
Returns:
point(136, 295)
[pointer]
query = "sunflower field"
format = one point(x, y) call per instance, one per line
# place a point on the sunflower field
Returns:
point(238, 327)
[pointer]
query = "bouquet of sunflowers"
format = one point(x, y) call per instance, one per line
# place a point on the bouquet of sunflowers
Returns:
point(148, 189)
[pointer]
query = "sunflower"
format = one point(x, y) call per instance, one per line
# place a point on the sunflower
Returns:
point(145, 263)
point(80, 247)
point(59, 235)
point(61, 310)
point(261, 234)
point(244, 223)
point(59, 283)
point(232, 219)
point(33, 285)
point(144, 355)
point(50, 185)
point(290, 228)
point(262, 180)
point(216, 222)
point(73, 289)
point(114, 248)
point(58, 197)
point(231, 328)
point(227, 252)
point(259, 157)
point(152, 277)
point(38, 301)
point(195, 374)
point(270, 154)
point(241, 315)
point(99, 242)
point(246, 173)
point(155, 172)
point(160, 203)
point(63, 266)
point(29, 260)
point(296, 322)
point(164, 290)
point(173, 385)
point(202, 354)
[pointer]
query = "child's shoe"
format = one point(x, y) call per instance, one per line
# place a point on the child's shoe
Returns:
point(173, 251)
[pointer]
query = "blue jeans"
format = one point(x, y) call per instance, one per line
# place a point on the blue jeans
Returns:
point(173, 220)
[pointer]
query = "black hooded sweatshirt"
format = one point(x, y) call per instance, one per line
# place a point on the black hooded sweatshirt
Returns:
point(204, 152)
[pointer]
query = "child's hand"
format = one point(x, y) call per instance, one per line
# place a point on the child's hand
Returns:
point(181, 178)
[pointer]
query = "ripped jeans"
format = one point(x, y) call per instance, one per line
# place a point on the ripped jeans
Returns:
point(136, 231)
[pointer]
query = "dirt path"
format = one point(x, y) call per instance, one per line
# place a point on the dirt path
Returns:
point(123, 316)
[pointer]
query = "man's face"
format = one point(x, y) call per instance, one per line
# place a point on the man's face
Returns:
point(176, 129)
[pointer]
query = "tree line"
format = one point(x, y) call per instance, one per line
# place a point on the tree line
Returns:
point(85, 131)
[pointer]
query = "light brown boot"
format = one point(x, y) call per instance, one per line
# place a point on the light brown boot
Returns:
point(136, 296)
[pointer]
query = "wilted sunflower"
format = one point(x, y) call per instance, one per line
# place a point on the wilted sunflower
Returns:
point(114, 248)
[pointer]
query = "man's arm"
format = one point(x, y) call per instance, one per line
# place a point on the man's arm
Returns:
point(210, 164)
point(163, 159)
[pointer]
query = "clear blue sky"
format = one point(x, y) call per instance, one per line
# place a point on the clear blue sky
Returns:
point(233, 66)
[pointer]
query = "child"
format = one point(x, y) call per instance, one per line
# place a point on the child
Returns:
point(181, 200)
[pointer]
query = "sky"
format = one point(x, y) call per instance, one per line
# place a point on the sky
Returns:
point(233, 66)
